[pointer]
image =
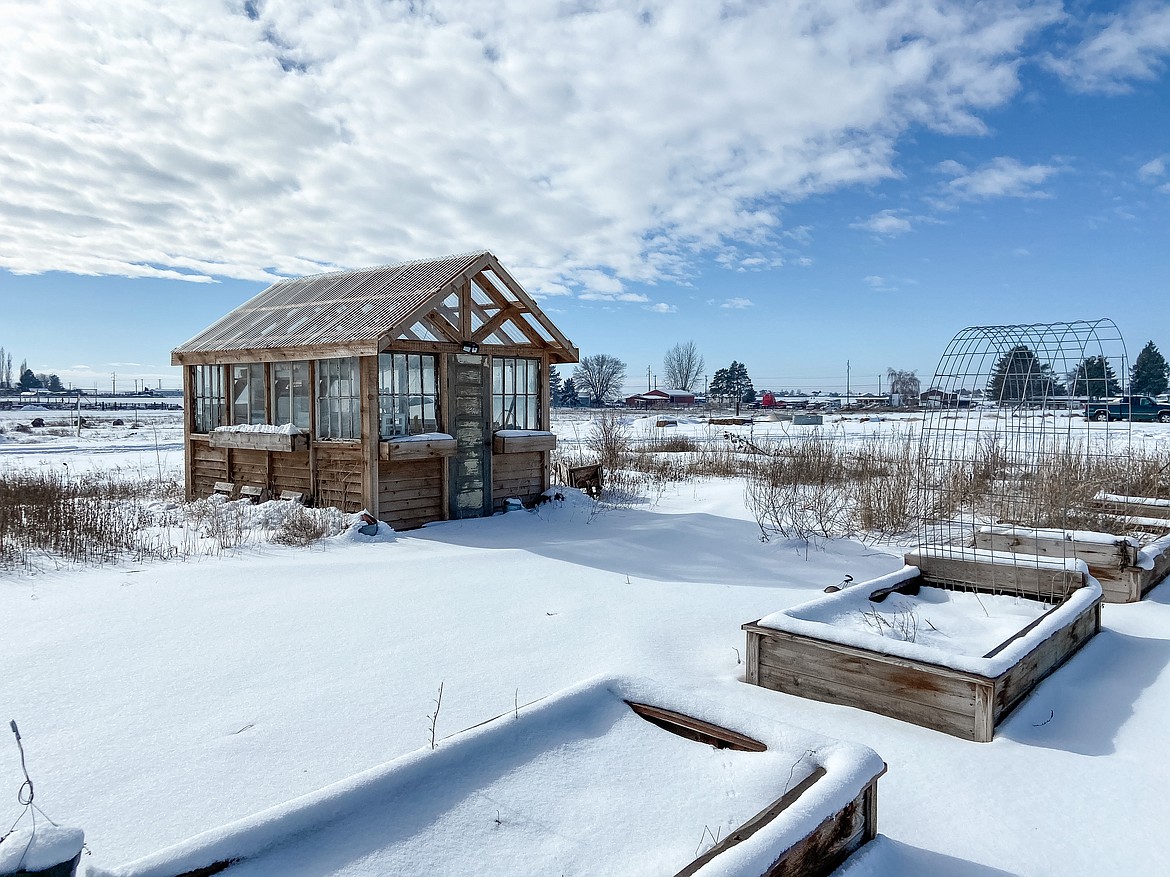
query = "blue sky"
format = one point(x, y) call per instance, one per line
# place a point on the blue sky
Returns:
point(793, 185)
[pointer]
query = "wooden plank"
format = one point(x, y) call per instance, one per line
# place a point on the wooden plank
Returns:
point(825, 668)
point(400, 451)
point(1044, 582)
point(1118, 553)
point(394, 484)
point(752, 658)
point(188, 445)
point(757, 822)
point(859, 697)
point(1136, 506)
point(423, 506)
point(568, 353)
point(261, 441)
point(823, 850)
point(521, 444)
point(1018, 682)
point(697, 729)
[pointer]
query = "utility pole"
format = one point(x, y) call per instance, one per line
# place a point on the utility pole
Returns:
point(846, 383)
point(114, 384)
point(648, 387)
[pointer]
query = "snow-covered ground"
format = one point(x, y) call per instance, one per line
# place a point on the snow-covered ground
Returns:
point(161, 700)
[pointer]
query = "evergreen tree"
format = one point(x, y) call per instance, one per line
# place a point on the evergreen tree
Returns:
point(554, 387)
point(569, 395)
point(733, 383)
point(29, 381)
point(53, 384)
point(1149, 373)
point(3, 374)
point(1020, 376)
point(1093, 377)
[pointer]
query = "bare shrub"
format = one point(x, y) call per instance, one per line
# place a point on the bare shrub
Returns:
point(609, 440)
point(300, 527)
point(902, 623)
point(48, 516)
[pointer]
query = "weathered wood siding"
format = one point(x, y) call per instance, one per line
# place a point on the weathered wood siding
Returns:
point(291, 472)
point(208, 465)
point(249, 467)
point(412, 493)
point(523, 476)
point(339, 475)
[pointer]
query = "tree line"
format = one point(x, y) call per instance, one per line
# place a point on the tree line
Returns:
point(23, 378)
point(1019, 375)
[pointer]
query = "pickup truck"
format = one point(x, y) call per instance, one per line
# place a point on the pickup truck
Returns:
point(1129, 408)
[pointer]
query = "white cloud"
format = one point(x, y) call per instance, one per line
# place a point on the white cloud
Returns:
point(1132, 44)
point(885, 222)
point(1153, 169)
point(661, 307)
point(192, 140)
point(736, 303)
point(610, 296)
point(1001, 177)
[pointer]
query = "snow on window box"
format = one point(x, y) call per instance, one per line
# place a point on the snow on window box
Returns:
point(424, 446)
point(520, 441)
point(260, 437)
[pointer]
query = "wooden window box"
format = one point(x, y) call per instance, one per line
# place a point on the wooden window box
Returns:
point(522, 441)
point(404, 448)
point(259, 441)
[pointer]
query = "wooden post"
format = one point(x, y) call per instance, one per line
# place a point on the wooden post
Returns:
point(314, 487)
point(368, 367)
point(188, 418)
point(545, 420)
point(443, 416)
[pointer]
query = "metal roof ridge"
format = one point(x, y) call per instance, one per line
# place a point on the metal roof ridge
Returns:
point(342, 271)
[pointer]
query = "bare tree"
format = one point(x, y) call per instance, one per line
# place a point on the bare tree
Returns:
point(904, 383)
point(599, 375)
point(683, 366)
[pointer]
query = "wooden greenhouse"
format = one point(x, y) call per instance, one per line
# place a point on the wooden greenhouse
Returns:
point(418, 392)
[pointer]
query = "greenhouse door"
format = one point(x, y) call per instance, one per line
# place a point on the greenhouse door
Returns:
point(471, 477)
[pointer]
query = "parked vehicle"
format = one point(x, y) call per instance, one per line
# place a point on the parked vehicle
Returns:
point(1129, 408)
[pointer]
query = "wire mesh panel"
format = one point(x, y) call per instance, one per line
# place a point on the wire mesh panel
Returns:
point(1008, 448)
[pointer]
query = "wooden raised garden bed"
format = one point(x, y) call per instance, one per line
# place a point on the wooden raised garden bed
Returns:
point(610, 777)
point(882, 654)
point(1125, 569)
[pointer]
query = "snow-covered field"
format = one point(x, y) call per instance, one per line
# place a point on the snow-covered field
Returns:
point(161, 700)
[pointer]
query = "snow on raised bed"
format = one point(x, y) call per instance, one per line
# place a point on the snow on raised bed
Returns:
point(969, 625)
point(574, 784)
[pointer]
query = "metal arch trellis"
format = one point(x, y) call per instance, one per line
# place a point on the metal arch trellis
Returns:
point(1004, 440)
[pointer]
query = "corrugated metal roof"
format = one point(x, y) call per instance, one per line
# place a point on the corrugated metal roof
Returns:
point(342, 307)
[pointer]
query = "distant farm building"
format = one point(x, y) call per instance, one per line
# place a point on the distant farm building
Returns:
point(661, 399)
point(417, 391)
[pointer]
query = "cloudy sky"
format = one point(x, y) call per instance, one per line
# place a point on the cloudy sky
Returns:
point(796, 185)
